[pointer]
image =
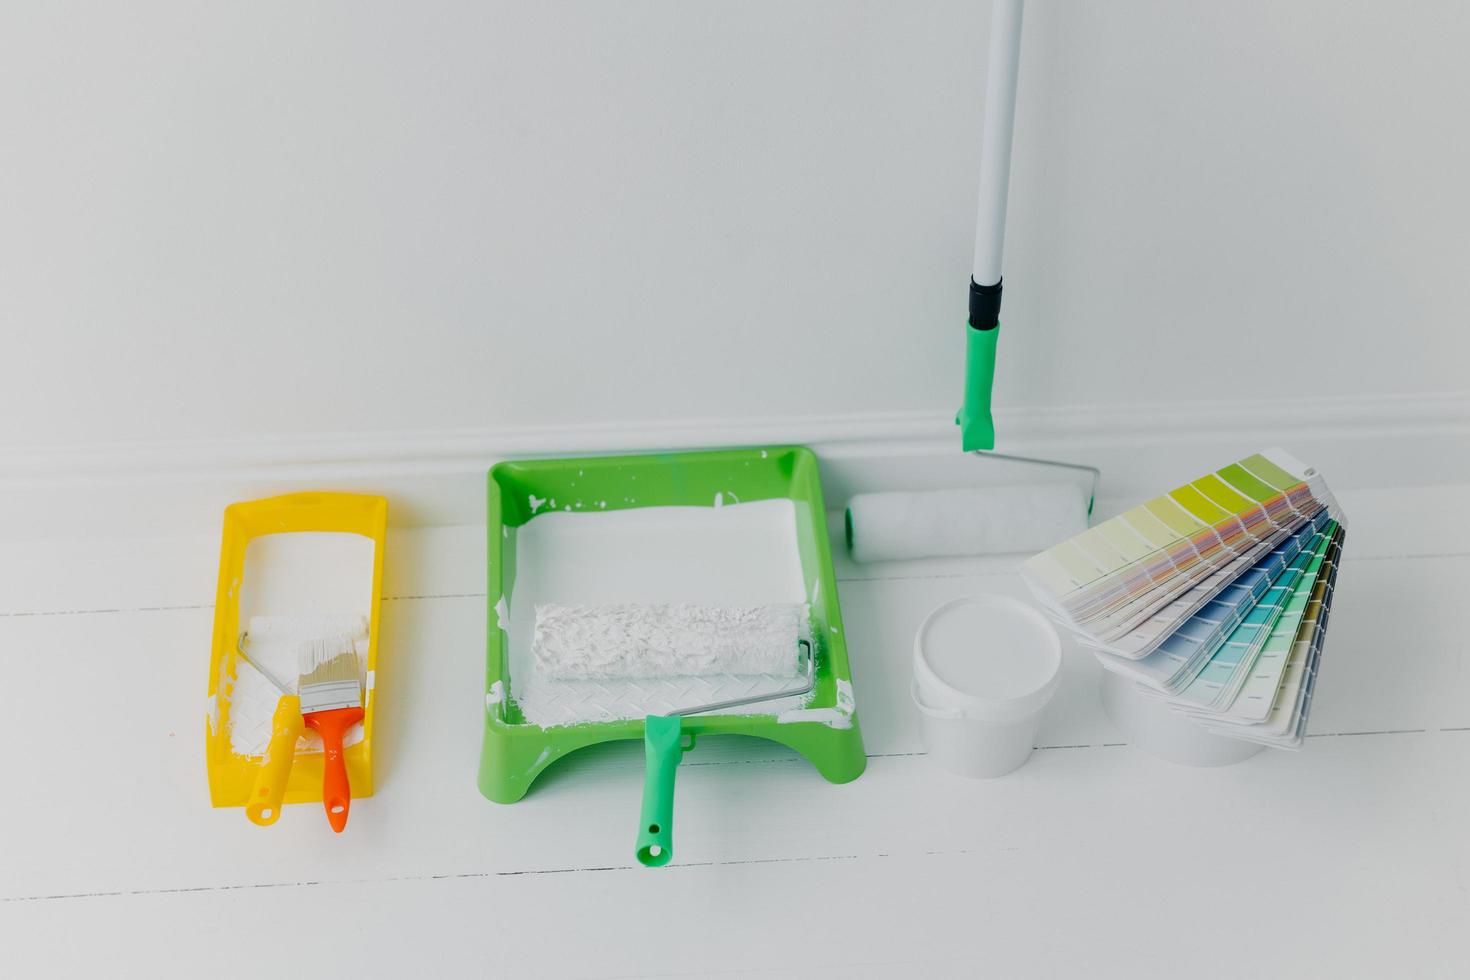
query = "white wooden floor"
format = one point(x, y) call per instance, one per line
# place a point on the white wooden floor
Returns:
point(1350, 858)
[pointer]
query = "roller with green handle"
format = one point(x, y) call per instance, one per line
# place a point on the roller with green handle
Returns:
point(1033, 502)
point(614, 645)
point(663, 748)
point(977, 427)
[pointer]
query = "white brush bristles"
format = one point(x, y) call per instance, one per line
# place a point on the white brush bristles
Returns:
point(330, 674)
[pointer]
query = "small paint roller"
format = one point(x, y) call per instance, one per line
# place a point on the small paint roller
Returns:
point(970, 522)
point(628, 641)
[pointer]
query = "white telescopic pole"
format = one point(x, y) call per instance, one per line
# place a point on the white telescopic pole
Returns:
point(995, 152)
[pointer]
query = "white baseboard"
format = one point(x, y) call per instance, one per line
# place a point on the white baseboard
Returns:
point(437, 477)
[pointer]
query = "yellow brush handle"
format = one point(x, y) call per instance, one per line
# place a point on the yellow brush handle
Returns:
point(270, 782)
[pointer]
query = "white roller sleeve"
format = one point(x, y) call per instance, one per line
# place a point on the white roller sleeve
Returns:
point(953, 523)
point(629, 640)
point(271, 629)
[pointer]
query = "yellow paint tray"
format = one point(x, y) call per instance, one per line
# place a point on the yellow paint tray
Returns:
point(232, 775)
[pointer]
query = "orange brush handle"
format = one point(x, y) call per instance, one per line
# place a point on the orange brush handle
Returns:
point(336, 792)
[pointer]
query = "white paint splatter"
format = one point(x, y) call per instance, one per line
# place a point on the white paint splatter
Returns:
point(502, 615)
point(495, 696)
point(764, 454)
point(211, 714)
point(536, 502)
point(719, 500)
point(372, 678)
point(839, 716)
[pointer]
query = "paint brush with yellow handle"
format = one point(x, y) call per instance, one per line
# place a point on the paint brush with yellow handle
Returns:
point(264, 807)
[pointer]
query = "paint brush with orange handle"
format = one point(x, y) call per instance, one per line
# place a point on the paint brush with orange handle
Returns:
point(331, 703)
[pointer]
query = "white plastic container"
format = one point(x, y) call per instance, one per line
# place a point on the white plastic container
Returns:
point(1157, 729)
point(984, 668)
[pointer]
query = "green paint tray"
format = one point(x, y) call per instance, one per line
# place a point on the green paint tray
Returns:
point(825, 731)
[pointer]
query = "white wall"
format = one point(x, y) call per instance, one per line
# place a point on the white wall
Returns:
point(253, 218)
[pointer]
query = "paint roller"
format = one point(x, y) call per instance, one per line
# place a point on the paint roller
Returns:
point(996, 519)
point(965, 522)
point(626, 642)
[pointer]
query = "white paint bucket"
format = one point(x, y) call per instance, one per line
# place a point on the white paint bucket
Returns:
point(984, 668)
point(1160, 731)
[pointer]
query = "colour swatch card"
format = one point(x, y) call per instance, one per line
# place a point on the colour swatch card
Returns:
point(1212, 597)
point(1273, 706)
point(1220, 681)
point(1146, 557)
point(1179, 656)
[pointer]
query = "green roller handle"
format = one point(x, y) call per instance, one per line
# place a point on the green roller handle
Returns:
point(662, 749)
point(977, 428)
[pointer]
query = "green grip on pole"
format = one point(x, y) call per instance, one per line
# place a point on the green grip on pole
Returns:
point(977, 428)
point(662, 751)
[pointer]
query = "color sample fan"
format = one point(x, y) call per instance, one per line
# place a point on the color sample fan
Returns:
point(1212, 597)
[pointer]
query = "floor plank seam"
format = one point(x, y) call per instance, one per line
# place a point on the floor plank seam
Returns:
point(456, 876)
point(22, 613)
point(472, 875)
point(101, 612)
point(1420, 557)
point(842, 580)
point(439, 595)
point(1382, 731)
point(697, 865)
point(1077, 745)
point(1082, 745)
point(1002, 573)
